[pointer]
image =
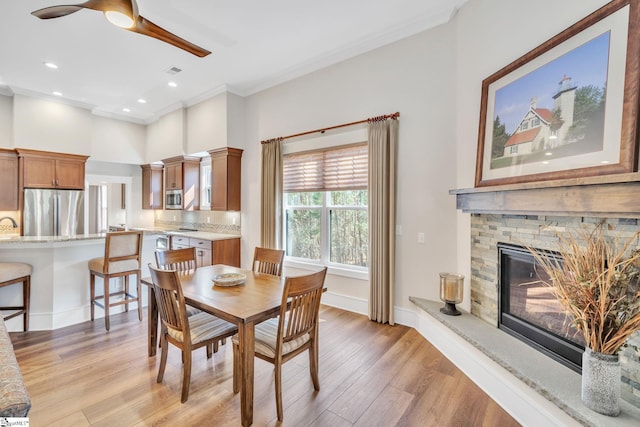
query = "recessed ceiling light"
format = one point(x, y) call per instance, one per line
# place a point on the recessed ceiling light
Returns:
point(57, 93)
point(126, 110)
point(50, 65)
point(142, 101)
point(173, 84)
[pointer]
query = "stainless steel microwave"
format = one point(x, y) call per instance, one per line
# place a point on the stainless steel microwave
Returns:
point(173, 199)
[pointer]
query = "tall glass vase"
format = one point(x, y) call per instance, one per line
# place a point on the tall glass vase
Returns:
point(601, 382)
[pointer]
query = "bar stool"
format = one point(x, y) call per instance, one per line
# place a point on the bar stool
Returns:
point(17, 272)
point(121, 259)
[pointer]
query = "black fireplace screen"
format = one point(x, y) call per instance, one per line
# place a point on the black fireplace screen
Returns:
point(529, 310)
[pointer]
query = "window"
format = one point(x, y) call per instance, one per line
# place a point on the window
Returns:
point(325, 206)
point(524, 125)
point(513, 149)
point(205, 182)
point(535, 122)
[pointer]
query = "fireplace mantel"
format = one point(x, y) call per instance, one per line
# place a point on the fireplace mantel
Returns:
point(613, 196)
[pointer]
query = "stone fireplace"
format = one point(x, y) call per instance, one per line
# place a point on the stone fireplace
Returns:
point(540, 231)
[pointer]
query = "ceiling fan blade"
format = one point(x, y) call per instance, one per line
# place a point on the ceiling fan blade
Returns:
point(56, 11)
point(128, 7)
point(148, 28)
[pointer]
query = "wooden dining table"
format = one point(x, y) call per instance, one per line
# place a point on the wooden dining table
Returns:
point(256, 300)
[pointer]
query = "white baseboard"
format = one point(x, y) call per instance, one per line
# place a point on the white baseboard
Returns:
point(49, 321)
point(352, 304)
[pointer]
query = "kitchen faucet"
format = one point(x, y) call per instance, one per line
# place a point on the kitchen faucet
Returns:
point(13, 221)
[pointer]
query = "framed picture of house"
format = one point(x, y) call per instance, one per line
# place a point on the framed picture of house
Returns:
point(568, 108)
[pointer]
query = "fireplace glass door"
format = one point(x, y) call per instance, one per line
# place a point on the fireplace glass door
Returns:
point(530, 311)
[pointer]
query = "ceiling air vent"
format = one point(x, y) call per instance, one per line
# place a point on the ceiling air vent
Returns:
point(173, 70)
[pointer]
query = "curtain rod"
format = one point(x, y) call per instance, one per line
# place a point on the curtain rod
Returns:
point(393, 116)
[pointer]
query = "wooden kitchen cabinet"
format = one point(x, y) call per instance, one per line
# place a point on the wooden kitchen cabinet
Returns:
point(173, 175)
point(43, 169)
point(152, 190)
point(227, 252)
point(226, 171)
point(8, 180)
point(183, 173)
point(209, 252)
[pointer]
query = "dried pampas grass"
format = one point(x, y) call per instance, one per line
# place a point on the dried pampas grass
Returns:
point(597, 283)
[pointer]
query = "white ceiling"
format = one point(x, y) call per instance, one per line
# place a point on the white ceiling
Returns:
point(255, 43)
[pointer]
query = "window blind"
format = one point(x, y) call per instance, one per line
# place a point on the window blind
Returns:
point(333, 169)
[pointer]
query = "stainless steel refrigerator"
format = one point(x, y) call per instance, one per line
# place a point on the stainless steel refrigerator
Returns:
point(53, 212)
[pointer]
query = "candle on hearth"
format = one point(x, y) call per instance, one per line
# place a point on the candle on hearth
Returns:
point(451, 290)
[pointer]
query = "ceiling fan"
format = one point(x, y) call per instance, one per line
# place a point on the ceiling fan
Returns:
point(124, 14)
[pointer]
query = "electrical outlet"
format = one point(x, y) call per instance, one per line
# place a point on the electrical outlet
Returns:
point(421, 237)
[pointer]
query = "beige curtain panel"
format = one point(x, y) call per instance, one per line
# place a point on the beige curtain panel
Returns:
point(271, 195)
point(383, 139)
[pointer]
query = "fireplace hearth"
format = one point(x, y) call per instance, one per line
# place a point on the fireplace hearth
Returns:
point(538, 231)
point(529, 311)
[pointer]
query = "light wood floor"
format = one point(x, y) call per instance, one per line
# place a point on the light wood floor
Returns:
point(370, 375)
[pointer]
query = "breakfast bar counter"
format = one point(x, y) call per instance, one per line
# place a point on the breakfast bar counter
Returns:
point(60, 277)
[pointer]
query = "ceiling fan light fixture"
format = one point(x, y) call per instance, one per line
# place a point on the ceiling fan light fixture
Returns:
point(119, 19)
point(123, 14)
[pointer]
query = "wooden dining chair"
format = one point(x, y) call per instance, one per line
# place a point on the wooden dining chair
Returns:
point(121, 258)
point(295, 330)
point(185, 332)
point(268, 261)
point(182, 259)
point(176, 259)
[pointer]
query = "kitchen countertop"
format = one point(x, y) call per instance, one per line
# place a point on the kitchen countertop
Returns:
point(204, 235)
point(49, 239)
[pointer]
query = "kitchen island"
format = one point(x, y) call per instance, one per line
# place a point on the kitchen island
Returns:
point(60, 277)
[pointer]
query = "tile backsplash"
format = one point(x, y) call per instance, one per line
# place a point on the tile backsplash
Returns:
point(211, 221)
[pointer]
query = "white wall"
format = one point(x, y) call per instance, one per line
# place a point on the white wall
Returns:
point(415, 77)
point(207, 124)
point(44, 125)
point(490, 35)
point(6, 121)
point(40, 124)
point(236, 122)
point(117, 141)
point(166, 137)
